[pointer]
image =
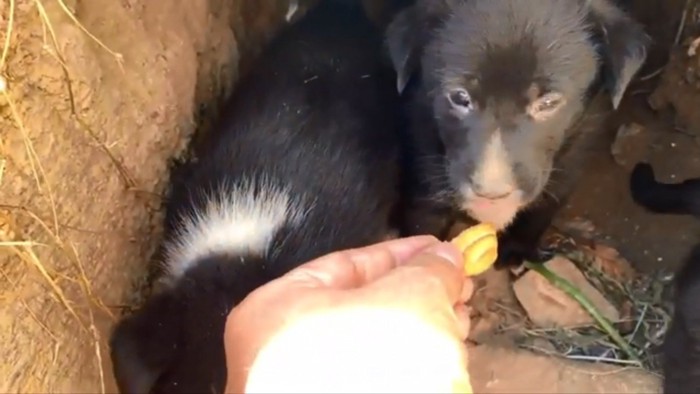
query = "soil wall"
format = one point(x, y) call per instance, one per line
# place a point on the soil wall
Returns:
point(91, 113)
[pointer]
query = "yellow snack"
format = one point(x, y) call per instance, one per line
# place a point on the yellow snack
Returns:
point(479, 246)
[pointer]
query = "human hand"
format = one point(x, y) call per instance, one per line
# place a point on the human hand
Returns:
point(419, 275)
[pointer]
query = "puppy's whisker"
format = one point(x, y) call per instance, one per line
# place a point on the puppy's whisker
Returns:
point(552, 195)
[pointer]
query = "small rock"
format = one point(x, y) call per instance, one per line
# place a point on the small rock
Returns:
point(8, 226)
point(550, 307)
point(609, 262)
point(631, 145)
point(484, 327)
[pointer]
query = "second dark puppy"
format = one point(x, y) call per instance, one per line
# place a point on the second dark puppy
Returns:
point(303, 163)
point(500, 111)
point(681, 348)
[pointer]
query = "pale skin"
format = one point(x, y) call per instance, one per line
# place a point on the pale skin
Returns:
point(396, 307)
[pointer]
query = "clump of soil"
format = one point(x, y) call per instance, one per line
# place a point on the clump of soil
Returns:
point(680, 87)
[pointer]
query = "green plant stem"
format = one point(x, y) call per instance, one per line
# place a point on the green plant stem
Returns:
point(565, 286)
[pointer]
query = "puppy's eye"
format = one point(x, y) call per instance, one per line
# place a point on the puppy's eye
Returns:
point(546, 106)
point(460, 98)
point(549, 103)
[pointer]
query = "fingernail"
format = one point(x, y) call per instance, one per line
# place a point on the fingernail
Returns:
point(447, 251)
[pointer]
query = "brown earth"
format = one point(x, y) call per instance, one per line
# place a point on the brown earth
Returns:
point(649, 241)
point(83, 164)
point(495, 369)
point(84, 186)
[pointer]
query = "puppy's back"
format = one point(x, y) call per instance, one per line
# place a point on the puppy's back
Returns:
point(317, 115)
point(681, 348)
point(302, 163)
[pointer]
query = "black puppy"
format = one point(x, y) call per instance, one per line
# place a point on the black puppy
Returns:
point(500, 107)
point(667, 198)
point(303, 163)
point(681, 349)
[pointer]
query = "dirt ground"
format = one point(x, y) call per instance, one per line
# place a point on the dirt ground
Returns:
point(651, 242)
point(91, 114)
point(500, 370)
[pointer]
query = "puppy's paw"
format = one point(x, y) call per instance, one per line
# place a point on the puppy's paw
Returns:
point(392, 234)
point(642, 181)
point(512, 253)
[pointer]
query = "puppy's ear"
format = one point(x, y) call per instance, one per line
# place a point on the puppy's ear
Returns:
point(143, 345)
point(407, 34)
point(404, 43)
point(625, 45)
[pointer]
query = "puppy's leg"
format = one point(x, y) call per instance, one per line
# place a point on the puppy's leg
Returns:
point(426, 219)
point(681, 353)
point(681, 348)
point(680, 198)
point(520, 242)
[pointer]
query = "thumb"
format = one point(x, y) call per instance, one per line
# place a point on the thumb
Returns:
point(442, 265)
point(432, 275)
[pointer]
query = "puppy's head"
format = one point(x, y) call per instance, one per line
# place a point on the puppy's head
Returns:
point(175, 342)
point(506, 80)
point(144, 345)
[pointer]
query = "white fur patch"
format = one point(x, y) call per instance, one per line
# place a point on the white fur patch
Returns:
point(242, 218)
point(498, 213)
point(292, 10)
point(494, 174)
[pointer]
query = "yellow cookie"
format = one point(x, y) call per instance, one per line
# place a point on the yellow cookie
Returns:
point(479, 246)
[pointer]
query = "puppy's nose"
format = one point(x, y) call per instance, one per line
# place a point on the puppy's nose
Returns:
point(492, 192)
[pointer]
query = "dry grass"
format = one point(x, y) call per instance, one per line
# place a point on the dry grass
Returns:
point(11, 238)
point(645, 319)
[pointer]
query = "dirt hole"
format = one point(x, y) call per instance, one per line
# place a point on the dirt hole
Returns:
point(97, 96)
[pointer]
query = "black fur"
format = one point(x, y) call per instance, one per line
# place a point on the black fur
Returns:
point(506, 54)
point(681, 348)
point(316, 114)
point(667, 198)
